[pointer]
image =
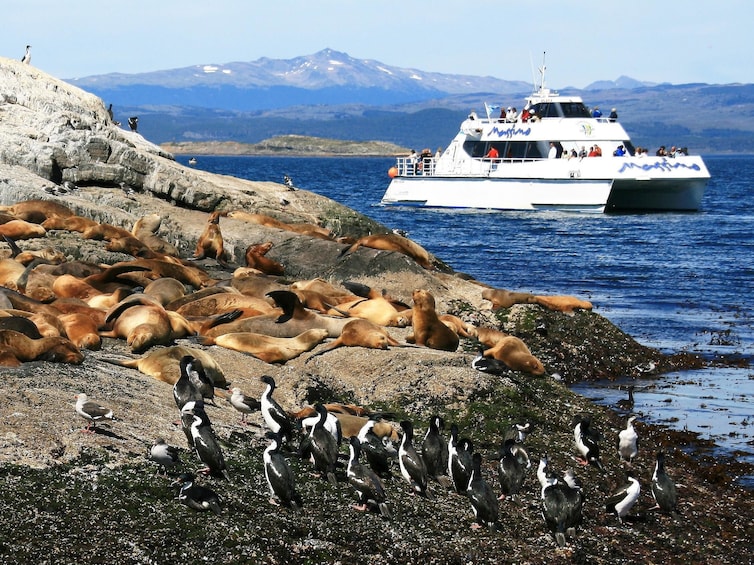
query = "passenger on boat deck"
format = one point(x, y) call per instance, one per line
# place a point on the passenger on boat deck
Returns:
point(574, 154)
point(682, 151)
point(525, 115)
point(661, 152)
point(553, 151)
point(492, 153)
point(411, 161)
point(583, 152)
point(597, 151)
point(640, 152)
point(511, 114)
point(438, 153)
point(425, 159)
point(502, 115)
point(613, 117)
point(672, 152)
point(472, 115)
point(533, 117)
point(596, 113)
point(619, 152)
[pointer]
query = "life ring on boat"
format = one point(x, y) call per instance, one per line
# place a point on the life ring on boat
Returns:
point(392, 172)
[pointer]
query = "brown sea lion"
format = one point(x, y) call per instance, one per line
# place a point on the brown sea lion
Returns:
point(69, 223)
point(255, 283)
point(256, 259)
point(293, 320)
point(164, 364)
point(360, 333)
point(458, 325)
point(21, 324)
point(98, 232)
point(16, 348)
point(566, 304)
point(21, 229)
point(351, 425)
point(515, 354)
point(82, 330)
point(394, 242)
point(37, 211)
point(268, 349)
point(225, 302)
point(165, 290)
point(502, 298)
point(489, 336)
point(177, 303)
point(187, 274)
point(325, 288)
point(145, 229)
point(259, 219)
point(141, 321)
point(210, 243)
point(429, 330)
point(312, 230)
point(378, 310)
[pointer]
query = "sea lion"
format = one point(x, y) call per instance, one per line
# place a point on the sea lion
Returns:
point(259, 219)
point(502, 298)
point(164, 364)
point(515, 354)
point(325, 288)
point(360, 333)
point(458, 325)
point(16, 348)
point(82, 330)
point(256, 259)
point(189, 297)
point(107, 232)
point(294, 320)
point(37, 211)
point(21, 324)
point(165, 290)
point(210, 243)
point(187, 274)
point(69, 223)
point(268, 349)
point(566, 304)
point(145, 230)
point(378, 310)
point(351, 425)
point(226, 302)
point(21, 229)
point(393, 242)
point(141, 321)
point(429, 330)
point(489, 336)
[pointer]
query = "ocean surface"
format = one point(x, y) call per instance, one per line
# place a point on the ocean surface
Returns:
point(673, 281)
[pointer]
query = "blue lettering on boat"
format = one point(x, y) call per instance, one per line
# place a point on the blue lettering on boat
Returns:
point(663, 165)
point(509, 132)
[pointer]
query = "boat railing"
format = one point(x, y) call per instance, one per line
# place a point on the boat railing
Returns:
point(479, 166)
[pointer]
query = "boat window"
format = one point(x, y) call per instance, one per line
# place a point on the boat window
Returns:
point(475, 148)
point(548, 110)
point(629, 147)
point(574, 110)
point(522, 150)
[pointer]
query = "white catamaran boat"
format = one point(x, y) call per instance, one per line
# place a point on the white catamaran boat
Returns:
point(541, 162)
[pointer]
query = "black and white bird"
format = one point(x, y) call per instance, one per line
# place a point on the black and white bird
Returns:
point(196, 496)
point(368, 486)
point(201, 380)
point(482, 496)
point(663, 487)
point(91, 412)
point(331, 424)
point(288, 182)
point(562, 502)
point(26, 59)
point(511, 472)
point(166, 456)
point(127, 189)
point(279, 475)
point(321, 448)
point(205, 441)
point(518, 432)
point(133, 123)
point(587, 441)
point(628, 442)
point(435, 448)
point(488, 365)
point(459, 460)
point(411, 464)
point(623, 499)
point(275, 417)
point(243, 404)
point(184, 389)
point(375, 450)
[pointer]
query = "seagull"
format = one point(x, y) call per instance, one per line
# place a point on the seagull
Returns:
point(26, 59)
point(164, 455)
point(243, 404)
point(92, 412)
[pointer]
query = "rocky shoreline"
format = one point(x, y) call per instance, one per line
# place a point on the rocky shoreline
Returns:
point(288, 146)
point(94, 498)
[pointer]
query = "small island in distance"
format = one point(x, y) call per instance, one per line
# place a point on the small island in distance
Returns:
point(288, 145)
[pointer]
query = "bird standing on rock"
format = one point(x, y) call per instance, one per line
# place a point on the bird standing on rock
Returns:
point(91, 412)
point(275, 417)
point(279, 475)
point(628, 442)
point(511, 472)
point(243, 404)
point(412, 466)
point(164, 455)
point(435, 448)
point(26, 59)
point(623, 499)
point(321, 447)
point(459, 460)
point(365, 482)
point(587, 441)
point(205, 441)
point(663, 487)
point(483, 499)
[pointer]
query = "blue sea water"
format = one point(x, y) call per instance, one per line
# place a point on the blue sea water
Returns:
point(673, 281)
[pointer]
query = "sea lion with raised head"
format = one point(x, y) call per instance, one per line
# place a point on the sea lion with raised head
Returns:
point(429, 330)
point(268, 349)
point(210, 243)
point(394, 242)
point(502, 298)
point(515, 354)
point(256, 259)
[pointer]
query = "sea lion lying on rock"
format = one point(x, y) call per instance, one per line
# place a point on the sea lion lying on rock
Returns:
point(268, 349)
point(515, 354)
point(360, 333)
point(393, 242)
point(17, 348)
point(566, 304)
point(502, 298)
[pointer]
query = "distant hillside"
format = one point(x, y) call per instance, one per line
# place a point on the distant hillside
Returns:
point(294, 145)
point(334, 96)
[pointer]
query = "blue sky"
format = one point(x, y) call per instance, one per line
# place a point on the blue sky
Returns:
point(677, 42)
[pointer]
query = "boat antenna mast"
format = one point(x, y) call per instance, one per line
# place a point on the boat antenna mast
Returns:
point(542, 70)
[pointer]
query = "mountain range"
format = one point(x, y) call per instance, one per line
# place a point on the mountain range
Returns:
point(330, 94)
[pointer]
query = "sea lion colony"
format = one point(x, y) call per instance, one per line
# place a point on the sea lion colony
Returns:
point(159, 297)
